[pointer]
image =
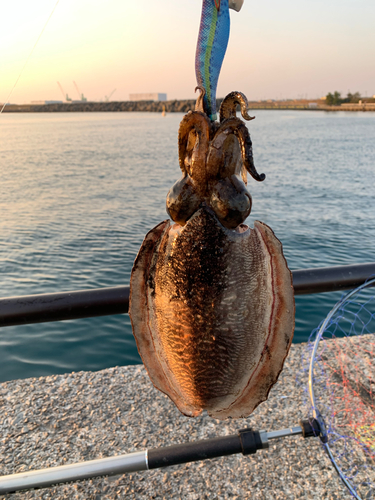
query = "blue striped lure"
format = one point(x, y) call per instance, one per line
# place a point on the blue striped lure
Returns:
point(212, 44)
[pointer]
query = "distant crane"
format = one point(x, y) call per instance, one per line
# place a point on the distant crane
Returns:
point(80, 95)
point(107, 98)
point(66, 97)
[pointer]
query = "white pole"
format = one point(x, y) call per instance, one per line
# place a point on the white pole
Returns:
point(110, 466)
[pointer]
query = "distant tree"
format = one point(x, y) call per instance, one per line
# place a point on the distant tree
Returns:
point(329, 99)
point(353, 97)
point(337, 98)
point(334, 99)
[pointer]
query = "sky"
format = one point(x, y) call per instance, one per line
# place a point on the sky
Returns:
point(277, 49)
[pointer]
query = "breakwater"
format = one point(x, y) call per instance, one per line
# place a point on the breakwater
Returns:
point(174, 106)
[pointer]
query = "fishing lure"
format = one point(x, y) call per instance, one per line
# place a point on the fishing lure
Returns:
point(212, 44)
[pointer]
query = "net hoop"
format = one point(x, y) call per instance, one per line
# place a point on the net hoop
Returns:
point(315, 409)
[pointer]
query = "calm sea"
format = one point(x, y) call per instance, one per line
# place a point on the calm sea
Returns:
point(78, 192)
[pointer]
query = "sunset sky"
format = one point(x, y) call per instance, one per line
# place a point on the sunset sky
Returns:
point(277, 49)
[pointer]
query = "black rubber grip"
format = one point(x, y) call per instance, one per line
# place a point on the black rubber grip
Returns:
point(250, 441)
point(192, 452)
point(310, 428)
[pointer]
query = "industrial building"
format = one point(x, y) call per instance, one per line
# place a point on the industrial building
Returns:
point(148, 97)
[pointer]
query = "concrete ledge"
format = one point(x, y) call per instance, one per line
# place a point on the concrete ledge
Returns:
point(69, 418)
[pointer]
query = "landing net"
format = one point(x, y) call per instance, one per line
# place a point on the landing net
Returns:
point(341, 369)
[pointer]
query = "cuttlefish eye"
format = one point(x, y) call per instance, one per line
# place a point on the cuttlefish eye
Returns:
point(182, 201)
point(230, 201)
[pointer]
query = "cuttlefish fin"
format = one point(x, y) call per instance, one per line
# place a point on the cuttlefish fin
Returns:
point(280, 334)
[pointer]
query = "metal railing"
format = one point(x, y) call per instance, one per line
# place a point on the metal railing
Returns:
point(115, 300)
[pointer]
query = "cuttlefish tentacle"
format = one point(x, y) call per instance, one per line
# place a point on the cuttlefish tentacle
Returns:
point(216, 152)
point(187, 194)
point(193, 143)
point(239, 129)
point(228, 196)
point(229, 106)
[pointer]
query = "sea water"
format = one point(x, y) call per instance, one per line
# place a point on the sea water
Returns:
point(78, 192)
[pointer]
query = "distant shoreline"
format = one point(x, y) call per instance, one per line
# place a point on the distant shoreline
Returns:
point(176, 106)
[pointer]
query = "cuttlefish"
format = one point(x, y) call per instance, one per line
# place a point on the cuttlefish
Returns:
point(212, 303)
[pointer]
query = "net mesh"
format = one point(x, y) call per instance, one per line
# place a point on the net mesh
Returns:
point(344, 388)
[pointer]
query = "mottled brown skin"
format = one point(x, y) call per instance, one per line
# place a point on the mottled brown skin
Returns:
point(219, 313)
point(212, 303)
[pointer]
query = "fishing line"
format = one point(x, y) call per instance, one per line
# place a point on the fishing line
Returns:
point(27, 60)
